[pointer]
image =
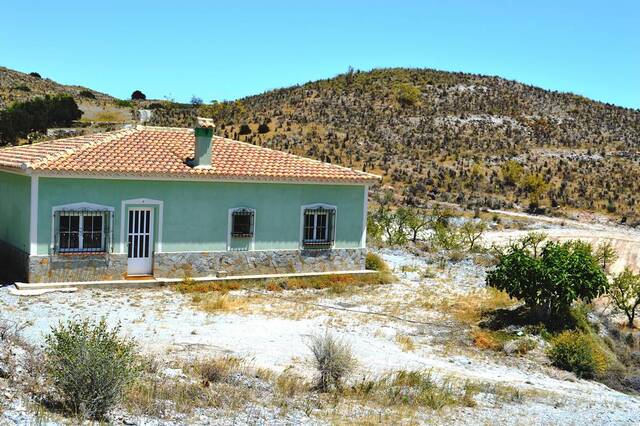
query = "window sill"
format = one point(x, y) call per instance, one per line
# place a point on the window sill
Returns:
point(80, 253)
point(317, 244)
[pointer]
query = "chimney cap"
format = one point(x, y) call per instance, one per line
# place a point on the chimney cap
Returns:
point(204, 123)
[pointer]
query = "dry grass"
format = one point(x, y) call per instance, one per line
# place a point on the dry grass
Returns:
point(336, 283)
point(216, 370)
point(493, 340)
point(218, 302)
point(208, 384)
point(405, 342)
point(469, 308)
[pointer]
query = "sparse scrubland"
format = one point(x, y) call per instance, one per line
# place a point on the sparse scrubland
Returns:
point(435, 336)
point(469, 139)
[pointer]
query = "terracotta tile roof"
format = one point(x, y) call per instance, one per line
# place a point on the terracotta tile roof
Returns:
point(164, 152)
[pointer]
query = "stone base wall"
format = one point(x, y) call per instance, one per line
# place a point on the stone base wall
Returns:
point(14, 263)
point(202, 264)
point(103, 267)
point(77, 267)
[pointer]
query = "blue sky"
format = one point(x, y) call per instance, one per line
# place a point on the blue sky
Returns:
point(226, 50)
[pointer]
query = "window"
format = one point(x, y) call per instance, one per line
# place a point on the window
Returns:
point(318, 226)
point(242, 223)
point(81, 231)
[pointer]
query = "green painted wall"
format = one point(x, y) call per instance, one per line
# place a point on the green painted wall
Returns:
point(15, 201)
point(196, 213)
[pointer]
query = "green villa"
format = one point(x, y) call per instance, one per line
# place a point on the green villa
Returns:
point(173, 202)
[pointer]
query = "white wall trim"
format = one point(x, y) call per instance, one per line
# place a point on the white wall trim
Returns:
point(252, 244)
point(143, 202)
point(33, 217)
point(77, 206)
point(365, 212)
point(316, 206)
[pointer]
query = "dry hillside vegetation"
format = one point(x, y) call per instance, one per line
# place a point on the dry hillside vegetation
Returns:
point(454, 137)
point(16, 86)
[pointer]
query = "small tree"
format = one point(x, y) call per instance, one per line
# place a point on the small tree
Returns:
point(196, 101)
point(552, 281)
point(625, 294)
point(137, 95)
point(90, 366)
point(471, 233)
point(415, 220)
point(606, 255)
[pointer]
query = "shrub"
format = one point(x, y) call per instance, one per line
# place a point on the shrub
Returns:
point(87, 94)
point(263, 128)
point(374, 262)
point(578, 352)
point(551, 282)
point(123, 103)
point(217, 369)
point(244, 129)
point(90, 366)
point(23, 88)
point(35, 74)
point(37, 115)
point(333, 360)
point(407, 94)
point(137, 95)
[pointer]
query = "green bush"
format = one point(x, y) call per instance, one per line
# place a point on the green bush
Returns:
point(123, 103)
point(36, 115)
point(90, 366)
point(374, 262)
point(549, 282)
point(578, 352)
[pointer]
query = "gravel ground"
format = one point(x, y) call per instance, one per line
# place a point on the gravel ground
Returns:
point(273, 333)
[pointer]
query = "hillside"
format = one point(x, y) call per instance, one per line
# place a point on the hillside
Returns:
point(18, 87)
point(454, 137)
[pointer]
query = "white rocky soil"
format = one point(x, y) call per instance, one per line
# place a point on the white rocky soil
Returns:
point(271, 331)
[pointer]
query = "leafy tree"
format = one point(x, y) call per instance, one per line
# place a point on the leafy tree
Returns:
point(552, 281)
point(195, 101)
point(137, 95)
point(35, 74)
point(625, 294)
point(407, 94)
point(606, 254)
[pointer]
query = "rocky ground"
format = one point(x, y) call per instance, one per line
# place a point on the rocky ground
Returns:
point(417, 323)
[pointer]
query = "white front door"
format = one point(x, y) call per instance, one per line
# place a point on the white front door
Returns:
point(140, 242)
